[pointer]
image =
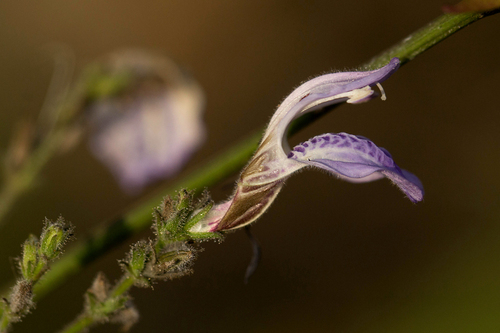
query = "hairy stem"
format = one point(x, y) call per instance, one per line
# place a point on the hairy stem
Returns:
point(86, 319)
point(123, 286)
point(425, 38)
point(25, 178)
point(43, 139)
point(79, 325)
point(36, 256)
point(4, 322)
point(232, 160)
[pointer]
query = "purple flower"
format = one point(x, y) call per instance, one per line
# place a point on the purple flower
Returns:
point(146, 117)
point(352, 158)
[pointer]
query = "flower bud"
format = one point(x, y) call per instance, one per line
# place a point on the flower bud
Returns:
point(30, 263)
point(173, 261)
point(98, 301)
point(199, 214)
point(139, 255)
point(21, 299)
point(183, 205)
point(54, 236)
point(171, 217)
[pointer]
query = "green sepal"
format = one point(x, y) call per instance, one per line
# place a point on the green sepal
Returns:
point(174, 225)
point(199, 215)
point(113, 304)
point(92, 302)
point(170, 217)
point(31, 265)
point(53, 238)
point(140, 254)
point(200, 236)
point(173, 258)
point(185, 199)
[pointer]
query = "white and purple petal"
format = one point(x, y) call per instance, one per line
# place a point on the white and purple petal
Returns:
point(270, 162)
point(351, 87)
point(355, 159)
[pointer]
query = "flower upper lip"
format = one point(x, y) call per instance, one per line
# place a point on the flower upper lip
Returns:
point(324, 90)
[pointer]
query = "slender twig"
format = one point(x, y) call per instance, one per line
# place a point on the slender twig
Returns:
point(170, 255)
point(79, 325)
point(86, 320)
point(54, 127)
point(34, 262)
point(4, 322)
point(123, 286)
point(232, 160)
point(22, 180)
point(425, 38)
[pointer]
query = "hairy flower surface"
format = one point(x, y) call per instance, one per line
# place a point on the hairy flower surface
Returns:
point(146, 116)
point(352, 158)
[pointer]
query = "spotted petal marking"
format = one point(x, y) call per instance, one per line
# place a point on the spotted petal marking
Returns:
point(355, 159)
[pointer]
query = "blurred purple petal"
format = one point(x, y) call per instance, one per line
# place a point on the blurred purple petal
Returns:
point(148, 129)
point(356, 159)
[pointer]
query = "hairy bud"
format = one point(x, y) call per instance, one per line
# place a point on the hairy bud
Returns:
point(173, 261)
point(30, 262)
point(135, 262)
point(54, 236)
point(21, 300)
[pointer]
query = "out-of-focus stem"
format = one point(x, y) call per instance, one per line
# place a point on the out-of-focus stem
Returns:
point(53, 128)
point(24, 179)
point(232, 160)
point(86, 320)
point(4, 322)
point(425, 38)
point(79, 325)
point(123, 286)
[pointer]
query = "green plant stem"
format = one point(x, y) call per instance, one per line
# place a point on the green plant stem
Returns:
point(33, 263)
point(25, 178)
point(5, 321)
point(86, 320)
point(79, 325)
point(123, 286)
point(425, 38)
point(231, 161)
point(56, 125)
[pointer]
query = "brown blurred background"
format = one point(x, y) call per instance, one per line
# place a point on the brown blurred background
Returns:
point(337, 257)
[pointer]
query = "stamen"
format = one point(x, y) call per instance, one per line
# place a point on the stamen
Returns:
point(256, 254)
point(357, 95)
point(383, 97)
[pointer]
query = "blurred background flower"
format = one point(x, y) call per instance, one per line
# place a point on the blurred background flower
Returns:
point(145, 114)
